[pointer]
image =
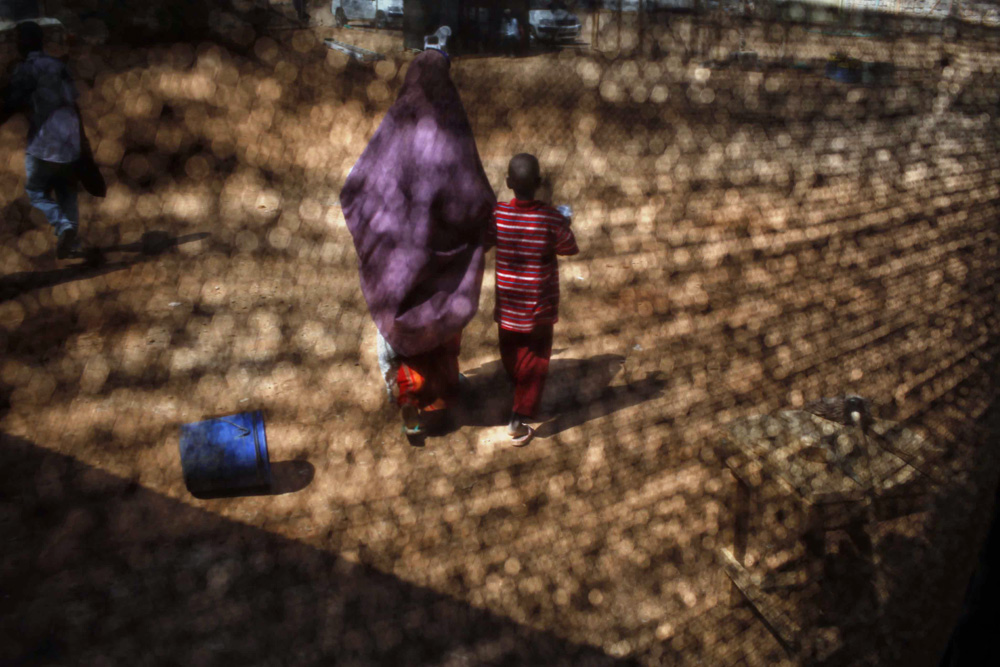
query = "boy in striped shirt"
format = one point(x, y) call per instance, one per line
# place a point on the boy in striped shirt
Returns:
point(528, 234)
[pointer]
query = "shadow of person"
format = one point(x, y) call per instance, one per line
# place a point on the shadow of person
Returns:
point(15, 284)
point(156, 242)
point(576, 391)
point(152, 243)
point(588, 406)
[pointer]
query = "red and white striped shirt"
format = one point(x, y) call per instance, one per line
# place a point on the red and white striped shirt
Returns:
point(528, 236)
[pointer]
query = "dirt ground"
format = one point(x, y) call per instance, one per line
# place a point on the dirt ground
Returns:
point(752, 239)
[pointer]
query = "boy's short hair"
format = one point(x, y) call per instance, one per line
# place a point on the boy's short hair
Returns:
point(29, 37)
point(523, 172)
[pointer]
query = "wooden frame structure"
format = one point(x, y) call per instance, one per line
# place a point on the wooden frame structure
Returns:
point(788, 469)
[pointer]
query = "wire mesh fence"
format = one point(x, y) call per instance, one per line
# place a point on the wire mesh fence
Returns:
point(772, 209)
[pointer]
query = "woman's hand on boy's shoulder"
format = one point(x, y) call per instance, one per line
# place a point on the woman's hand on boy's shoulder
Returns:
point(566, 212)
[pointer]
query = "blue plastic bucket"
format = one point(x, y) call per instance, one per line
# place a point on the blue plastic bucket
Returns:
point(225, 455)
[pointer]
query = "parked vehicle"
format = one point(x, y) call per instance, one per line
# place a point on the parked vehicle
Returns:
point(381, 13)
point(651, 6)
point(551, 21)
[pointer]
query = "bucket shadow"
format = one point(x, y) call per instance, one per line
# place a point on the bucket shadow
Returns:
point(286, 477)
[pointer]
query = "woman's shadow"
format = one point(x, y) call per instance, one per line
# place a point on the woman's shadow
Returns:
point(577, 391)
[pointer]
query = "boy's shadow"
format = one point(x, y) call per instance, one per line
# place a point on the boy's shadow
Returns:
point(577, 391)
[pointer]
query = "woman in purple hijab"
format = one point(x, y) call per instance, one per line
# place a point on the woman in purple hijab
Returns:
point(417, 204)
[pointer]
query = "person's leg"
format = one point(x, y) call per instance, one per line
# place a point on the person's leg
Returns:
point(426, 385)
point(511, 348)
point(409, 387)
point(66, 195)
point(39, 178)
point(449, 367)
point(531, 371)
point(440, 368)
point(525, 357)
point(508, 351)
point(430, 379)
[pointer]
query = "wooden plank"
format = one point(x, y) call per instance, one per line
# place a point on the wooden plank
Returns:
point(355, 52)
point(779, 624)
point(797, 578)
point(802, 450)
point(780, 443)
point(907, 444)
point(741, 529)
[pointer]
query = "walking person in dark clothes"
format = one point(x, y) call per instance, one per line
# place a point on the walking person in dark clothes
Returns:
point(510, 34)
point(41, 86)
point(528, 234)
point(418, 205)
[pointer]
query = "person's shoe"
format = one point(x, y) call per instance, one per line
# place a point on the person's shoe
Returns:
point(67, 239)
point(77, 251)
point(413, 426)
point(411, 420)
point(520, 433)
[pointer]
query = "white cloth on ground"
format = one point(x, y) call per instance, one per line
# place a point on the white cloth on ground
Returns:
point(388, 362)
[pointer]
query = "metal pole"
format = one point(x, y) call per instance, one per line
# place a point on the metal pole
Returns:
point(595, 28)
point(641, 16)
point(619, 25)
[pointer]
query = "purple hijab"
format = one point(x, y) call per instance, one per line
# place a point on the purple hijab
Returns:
point(418, 204)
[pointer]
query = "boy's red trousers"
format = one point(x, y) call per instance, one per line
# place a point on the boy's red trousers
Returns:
point(525, 357)
point(428, 381)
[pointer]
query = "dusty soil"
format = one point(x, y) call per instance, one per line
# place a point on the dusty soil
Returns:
point(752, 240)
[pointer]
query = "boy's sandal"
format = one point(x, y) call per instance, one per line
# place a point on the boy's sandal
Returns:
point(522, 440)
